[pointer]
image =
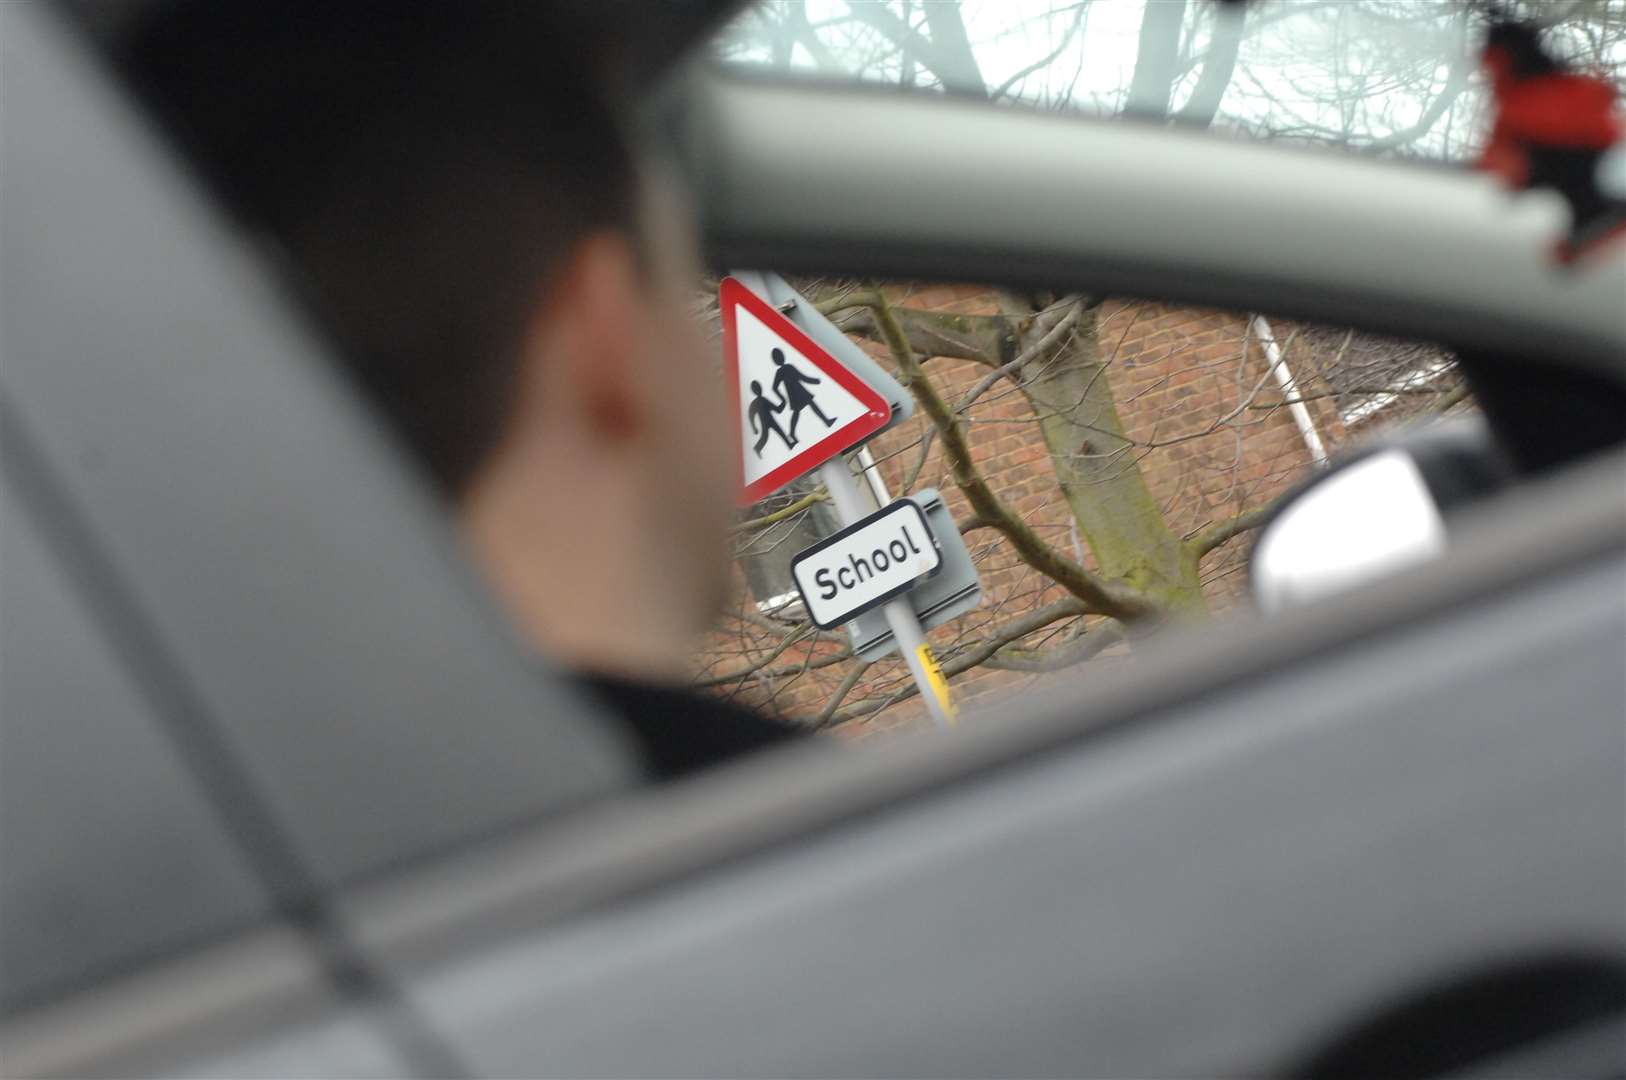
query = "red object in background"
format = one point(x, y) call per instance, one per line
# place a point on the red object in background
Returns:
point(1551, 128)
point(1559, 111)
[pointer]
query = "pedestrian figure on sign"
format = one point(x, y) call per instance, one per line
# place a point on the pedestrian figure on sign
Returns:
point(761, 412)
point(790, 385)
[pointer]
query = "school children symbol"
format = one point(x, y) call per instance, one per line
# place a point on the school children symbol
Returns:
point(797, 406)
point(790, 387)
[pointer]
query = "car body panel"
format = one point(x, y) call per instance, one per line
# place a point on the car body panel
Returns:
point(1211, 862)
point(810, 178)
point(1122, 902)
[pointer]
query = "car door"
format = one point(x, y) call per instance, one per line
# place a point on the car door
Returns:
point(1339, 843)
point(1226, 860)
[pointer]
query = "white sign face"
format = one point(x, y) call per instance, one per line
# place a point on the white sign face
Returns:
point(787, 403)
point(865, 564)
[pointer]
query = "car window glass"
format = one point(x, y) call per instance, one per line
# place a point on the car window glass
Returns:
point(1133, 442)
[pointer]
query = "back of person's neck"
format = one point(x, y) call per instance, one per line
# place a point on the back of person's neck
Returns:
point(572, 563)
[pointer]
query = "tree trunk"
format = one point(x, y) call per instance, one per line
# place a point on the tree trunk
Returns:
point(1070, 392)
point(1157, 58)
point(1100, 477)
point(1224, 43)
point(958, 70)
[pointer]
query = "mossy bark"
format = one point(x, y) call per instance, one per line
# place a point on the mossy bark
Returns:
point(1070, 391)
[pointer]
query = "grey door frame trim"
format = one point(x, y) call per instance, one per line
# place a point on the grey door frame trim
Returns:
point(665, 836)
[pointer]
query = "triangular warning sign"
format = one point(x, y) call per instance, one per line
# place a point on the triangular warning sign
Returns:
point(796, 406)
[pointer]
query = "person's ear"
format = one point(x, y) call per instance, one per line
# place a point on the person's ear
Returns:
point(593, 355)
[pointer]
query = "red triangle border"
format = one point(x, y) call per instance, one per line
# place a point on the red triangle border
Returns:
point(734, 294)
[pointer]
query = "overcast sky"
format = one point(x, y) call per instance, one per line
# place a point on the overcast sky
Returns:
point(1350, 71)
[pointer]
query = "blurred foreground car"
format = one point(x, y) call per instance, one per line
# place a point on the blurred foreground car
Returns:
point(280, 798)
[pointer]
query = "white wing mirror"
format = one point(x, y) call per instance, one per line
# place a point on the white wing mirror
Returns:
point(1373, 514)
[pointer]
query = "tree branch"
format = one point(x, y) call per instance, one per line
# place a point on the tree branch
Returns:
point(807, 36)
point(1044, 661)
point(1044, 61)
point(955, 68)
point(827, 713)
point(1062, 327)
point(1101, 597)
point(1456, 82)
point(810, 499)
point(1014, 630)
point(983, 339)
point(1226, 531)
point(761, 670)
point(984, 651)
point(1452, 397)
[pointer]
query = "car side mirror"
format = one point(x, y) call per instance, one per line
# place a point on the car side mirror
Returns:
point(1373, 513)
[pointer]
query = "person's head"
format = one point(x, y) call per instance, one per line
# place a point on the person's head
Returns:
point(778, 356)
point(756, 388)
point(507, 278)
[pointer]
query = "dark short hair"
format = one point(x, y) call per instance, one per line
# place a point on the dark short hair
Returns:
point(427, 165)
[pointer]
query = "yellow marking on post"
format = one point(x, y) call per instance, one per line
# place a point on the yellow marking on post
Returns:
point(939, 685)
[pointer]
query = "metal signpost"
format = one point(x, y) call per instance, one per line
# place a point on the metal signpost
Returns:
point(900, 617)
point(949, 593)
point(798, 407)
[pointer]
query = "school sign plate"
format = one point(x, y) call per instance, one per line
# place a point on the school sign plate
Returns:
point(866, 564)
point(796, 406)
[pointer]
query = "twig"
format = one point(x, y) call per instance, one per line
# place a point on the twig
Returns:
point(1226, 531)
point(841, 692)
point(1102, 597)
point(810, 499)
